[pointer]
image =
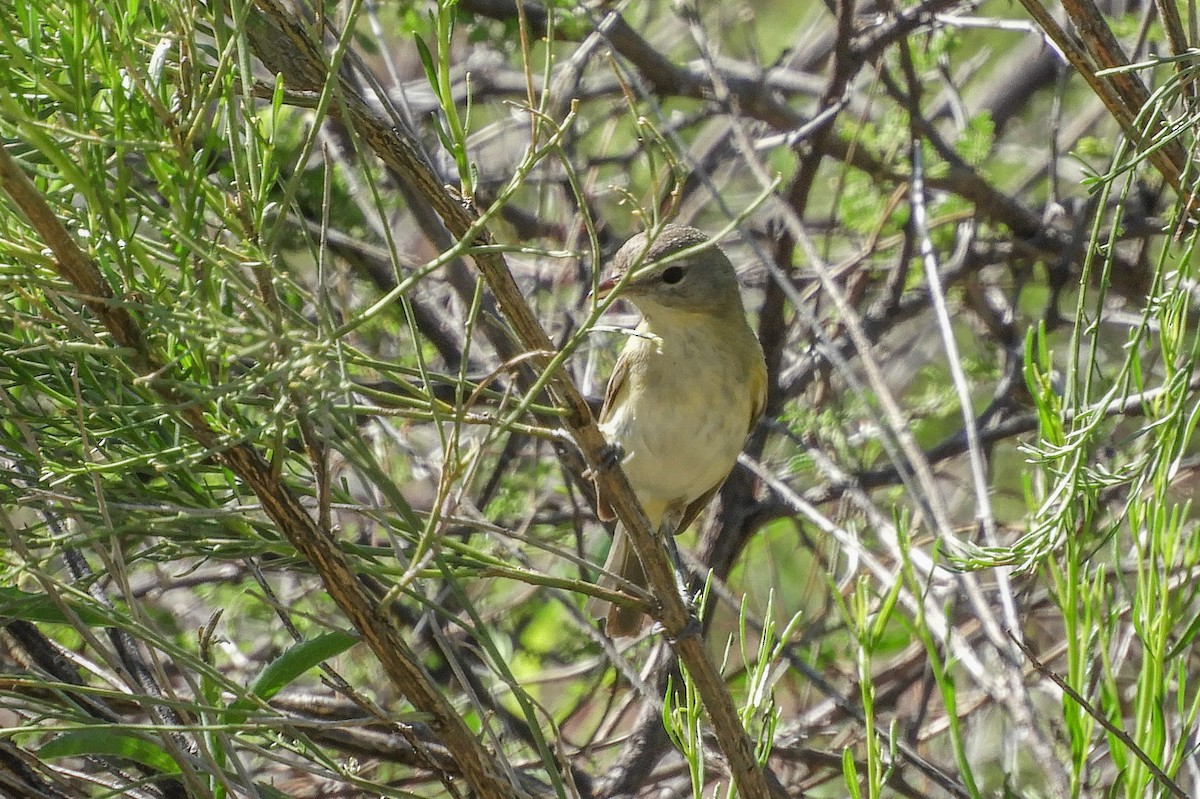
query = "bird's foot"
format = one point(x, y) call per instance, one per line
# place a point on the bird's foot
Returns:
point(690, 630)
point(611, 456)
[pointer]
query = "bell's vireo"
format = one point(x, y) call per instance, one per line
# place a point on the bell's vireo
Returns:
point(687, 388)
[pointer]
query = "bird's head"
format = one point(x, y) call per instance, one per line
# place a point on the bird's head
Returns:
point(674, 271)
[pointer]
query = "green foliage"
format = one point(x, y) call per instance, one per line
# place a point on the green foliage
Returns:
point(977, 141)
point(106, 743)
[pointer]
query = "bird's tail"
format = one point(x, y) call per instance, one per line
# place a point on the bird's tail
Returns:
point(624, 563)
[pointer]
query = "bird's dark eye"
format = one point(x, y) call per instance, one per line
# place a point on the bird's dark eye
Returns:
point(672, 275)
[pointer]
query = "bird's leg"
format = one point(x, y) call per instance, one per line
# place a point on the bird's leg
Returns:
point(666, 534)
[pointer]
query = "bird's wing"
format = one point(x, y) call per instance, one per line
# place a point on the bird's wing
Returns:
point(758, 394)
point(696, 506)
point(614, 395)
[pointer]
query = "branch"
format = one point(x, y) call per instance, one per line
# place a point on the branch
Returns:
point(283, 507)
point(1122, 93)
point(1103, 720)
point(402, 155)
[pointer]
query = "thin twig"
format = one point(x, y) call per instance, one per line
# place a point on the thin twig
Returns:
point(1103, 720)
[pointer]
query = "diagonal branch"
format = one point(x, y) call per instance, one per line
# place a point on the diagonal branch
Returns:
point(399, 661)
point(1122, 93)
point(401, 154)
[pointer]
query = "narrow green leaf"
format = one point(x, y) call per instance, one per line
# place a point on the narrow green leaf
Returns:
point(110, 743)
point(282, 671)
point(18, 605)
point(850, 774)
point(427, 62)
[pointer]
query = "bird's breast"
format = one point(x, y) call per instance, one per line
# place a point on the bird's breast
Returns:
point(683, 418)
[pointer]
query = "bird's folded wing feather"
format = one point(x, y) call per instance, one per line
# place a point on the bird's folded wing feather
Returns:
point(614, 395)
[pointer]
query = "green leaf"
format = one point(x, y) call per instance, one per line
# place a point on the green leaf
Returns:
point(850, 773)
point(427, 62)
point(18, 605)
point(284, 670)
point(110, 743)
point(977, 139)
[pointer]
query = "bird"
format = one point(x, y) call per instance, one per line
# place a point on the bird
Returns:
point(687, 389)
